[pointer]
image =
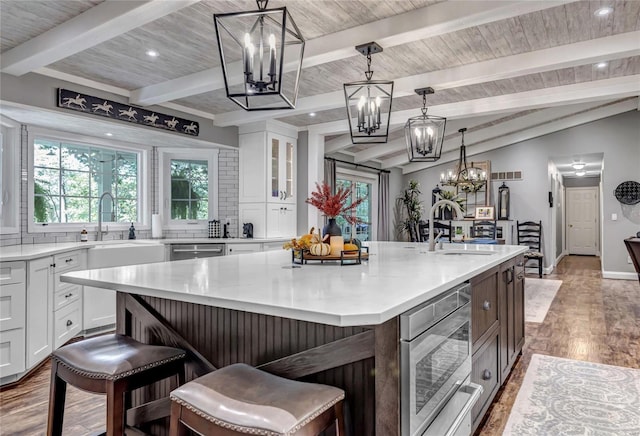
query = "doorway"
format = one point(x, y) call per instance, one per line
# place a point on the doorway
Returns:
point(582, 220)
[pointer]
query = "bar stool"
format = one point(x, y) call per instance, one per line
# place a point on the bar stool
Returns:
point(111, 365)
point(239, 399)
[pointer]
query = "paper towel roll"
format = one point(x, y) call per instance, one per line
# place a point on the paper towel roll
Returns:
point(156, 226)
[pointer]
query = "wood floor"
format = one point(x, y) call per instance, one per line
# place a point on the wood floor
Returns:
point(590, 319)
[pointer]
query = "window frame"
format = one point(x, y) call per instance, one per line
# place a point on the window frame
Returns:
point(10, 173)
point(143, 188)
point(165, 156)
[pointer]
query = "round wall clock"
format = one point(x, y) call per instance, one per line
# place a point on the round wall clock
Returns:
point(628, 192)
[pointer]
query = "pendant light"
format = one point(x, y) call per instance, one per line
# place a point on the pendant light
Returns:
point(503, 202)
point(368, 103)
point(467, 178)
point(424, 134)
point(256, 49)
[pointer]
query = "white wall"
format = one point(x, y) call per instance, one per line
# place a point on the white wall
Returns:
point(618, 137)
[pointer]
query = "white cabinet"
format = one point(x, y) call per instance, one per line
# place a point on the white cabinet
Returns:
point(39, 324)
point(243, 248)
point(12, 318)
point(267, 191)
point(282, 169)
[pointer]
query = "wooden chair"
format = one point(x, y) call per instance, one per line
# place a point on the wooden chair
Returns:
point(423, 231)
point(111, 365)
point(483, 229)
point(633, 247)
point(530, 234)
point(239, 399)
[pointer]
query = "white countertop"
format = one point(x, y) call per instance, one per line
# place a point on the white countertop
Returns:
point(34, 251)
point(397, 277)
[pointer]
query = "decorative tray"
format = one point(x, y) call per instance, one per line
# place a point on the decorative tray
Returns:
point(346, 257)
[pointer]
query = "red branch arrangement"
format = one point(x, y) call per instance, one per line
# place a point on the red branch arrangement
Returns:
point(333, 205)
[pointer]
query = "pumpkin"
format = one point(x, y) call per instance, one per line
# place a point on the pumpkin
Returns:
point(350, 247)
point(320, 249)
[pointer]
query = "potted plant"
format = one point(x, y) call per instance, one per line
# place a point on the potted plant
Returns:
point(447, 210)
point(411, 203)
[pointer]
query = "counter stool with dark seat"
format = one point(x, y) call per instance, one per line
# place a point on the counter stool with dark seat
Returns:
point(240, 399)
point(111, 365)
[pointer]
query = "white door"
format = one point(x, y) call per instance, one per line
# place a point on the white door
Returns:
point(582, 220)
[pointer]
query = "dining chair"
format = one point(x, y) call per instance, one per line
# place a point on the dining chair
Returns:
point(483, 229)
point(530, 234)
point(423, 230)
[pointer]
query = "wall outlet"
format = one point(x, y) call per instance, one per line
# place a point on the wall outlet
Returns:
point(628, 259)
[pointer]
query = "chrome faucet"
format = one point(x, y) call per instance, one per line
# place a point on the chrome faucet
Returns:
point(432, 212)
point(113, 215)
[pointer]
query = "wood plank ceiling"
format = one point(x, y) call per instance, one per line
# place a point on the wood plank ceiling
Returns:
point(457, 55)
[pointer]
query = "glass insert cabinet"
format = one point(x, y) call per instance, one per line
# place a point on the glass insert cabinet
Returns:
point(282, 169)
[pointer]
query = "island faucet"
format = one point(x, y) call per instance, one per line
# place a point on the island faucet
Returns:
point(432, 212)
point(113, 206)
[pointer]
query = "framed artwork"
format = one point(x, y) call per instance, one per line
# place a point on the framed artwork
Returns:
point(484, 213)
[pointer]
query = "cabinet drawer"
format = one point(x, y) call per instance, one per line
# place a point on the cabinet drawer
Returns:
point(12, 306)
point(243, 248)
point(484, 304)
point(485, 371)
point(12, 272)
point(67, 323)
point(59, 285)
point(68, 261)
point(12, 352)
point(66, 296)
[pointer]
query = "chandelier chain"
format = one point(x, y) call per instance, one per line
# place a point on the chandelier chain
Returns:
point(368, 74)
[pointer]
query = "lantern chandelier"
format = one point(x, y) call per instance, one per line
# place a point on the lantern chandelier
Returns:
point(468, 178)
point(256, 49)
point(368, 103)
point(424, 134)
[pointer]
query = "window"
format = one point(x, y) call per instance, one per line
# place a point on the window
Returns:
point(189, 189)
point(188, 181)
point(68, 179)
point(362, 185)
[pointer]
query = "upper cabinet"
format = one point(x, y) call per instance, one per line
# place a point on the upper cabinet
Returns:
point(267, 164)
point(282, 169)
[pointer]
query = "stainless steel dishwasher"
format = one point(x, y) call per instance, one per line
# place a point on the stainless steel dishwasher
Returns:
point(195, 251)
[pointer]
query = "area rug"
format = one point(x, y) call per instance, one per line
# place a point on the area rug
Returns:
point(538, 294)
point(570, 397)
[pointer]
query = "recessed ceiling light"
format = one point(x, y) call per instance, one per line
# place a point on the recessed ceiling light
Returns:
point(603, 11)
point(601, 65)
point(580, 173)
point(108, 134)
point(312, 114)
point(578, 165)
point(153, 53)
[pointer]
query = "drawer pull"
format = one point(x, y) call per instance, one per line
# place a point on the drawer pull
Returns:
point(68, 296)
point(69, 322)
point(69, 260)
point(520, 276)
point(486, 375)
point(53, 265)
point(486, 305)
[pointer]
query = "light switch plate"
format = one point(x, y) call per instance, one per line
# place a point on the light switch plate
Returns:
point(614, 217)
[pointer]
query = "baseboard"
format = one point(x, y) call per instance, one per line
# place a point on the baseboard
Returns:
point(559, 258)
point(617, 275)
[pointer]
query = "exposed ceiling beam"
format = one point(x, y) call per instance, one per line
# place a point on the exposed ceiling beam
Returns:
point(564, 56)
point(504, 128)
point(98, 24)
point(438, 19)
point(618, 87)
point(534, 132)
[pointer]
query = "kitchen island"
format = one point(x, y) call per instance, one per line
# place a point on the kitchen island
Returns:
point(326, 323)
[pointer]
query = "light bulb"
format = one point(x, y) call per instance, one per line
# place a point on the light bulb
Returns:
point(578, 165)
point(272, 42)
point(429, 131)
point(378, 101)
point(247, 40)
point(361, 102)
point(580, 173)
point(417, 131)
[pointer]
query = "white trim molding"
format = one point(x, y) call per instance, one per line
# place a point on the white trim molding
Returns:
point(619, 275)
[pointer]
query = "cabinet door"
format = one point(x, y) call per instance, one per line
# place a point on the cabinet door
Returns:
point(508, 348)
point(12, 306)
point(39, 310)
point(274, 169)
point(287, 224)
point(289, 170)
point(11, 352)
point(518, 312)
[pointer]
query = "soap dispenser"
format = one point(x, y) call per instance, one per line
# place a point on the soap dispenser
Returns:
point(132, 232)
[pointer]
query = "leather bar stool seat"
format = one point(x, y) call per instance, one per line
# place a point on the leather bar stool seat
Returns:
point(240, 399)
point(111, 365)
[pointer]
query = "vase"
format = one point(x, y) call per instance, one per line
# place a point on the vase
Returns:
point(331, 229)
